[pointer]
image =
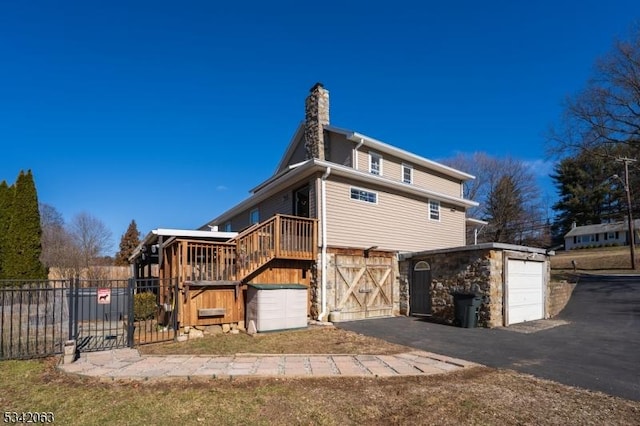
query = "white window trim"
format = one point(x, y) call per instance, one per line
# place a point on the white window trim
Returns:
point(439, 211)
point(362, 190)
point(410, 168)
point(373, 155)
point(251, 212)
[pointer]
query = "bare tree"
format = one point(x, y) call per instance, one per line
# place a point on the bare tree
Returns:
point(92, 238)
point(58, 247)
point(509, 198)
point(607, 111)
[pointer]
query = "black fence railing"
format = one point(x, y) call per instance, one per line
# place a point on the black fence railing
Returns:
point(38, 317)
point(34, 318)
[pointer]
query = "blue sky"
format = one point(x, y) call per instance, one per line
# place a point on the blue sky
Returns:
point(169, 112)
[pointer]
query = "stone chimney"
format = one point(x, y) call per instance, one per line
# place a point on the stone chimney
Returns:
point(316, 116)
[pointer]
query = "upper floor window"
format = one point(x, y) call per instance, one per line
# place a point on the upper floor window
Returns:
point(227, 227)
point(375, 164)
point(434, 210)
point(362, 195)
point(254, 216)
point(407, 173)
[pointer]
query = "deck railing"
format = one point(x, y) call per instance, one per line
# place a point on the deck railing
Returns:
point(280, 237)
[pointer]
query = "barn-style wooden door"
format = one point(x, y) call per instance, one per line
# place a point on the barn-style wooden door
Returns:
point(364, 286)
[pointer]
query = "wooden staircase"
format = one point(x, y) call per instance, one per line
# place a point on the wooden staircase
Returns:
point(234, 261)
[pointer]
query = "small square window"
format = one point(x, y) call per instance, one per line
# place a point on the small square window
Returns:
point(254, 216)
point(434, 210)
point(407, 173)
point(375, 164)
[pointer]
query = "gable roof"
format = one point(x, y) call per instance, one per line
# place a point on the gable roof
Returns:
point(376, 145)
point(307, 168)
point(400, 153)
point(601, 228)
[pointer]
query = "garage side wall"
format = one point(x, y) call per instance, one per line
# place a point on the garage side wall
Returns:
point(484, 271)
point(466, 271)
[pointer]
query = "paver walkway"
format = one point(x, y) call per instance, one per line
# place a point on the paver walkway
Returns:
point(129, 364)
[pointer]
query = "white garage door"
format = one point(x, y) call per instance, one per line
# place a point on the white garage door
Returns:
point(525, 291)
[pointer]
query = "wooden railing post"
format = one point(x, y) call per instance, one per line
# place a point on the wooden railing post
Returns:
point(277, 237)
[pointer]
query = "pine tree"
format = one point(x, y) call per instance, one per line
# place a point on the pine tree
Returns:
point(22, 247)
point(6, 198)
point(588, 193)
point(128, 243)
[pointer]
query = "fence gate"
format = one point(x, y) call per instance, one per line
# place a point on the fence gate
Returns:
point(364, 286)
point(38, 317)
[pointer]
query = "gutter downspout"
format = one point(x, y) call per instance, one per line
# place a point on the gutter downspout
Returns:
point(355, 151)
point(323, 252)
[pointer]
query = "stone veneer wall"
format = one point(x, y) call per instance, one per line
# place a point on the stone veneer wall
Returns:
point(480, 271)
point(559, 295)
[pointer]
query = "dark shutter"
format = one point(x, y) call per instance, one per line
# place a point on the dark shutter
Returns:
point(597, 237)
point(574, 239)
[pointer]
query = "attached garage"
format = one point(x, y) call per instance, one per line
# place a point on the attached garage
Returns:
point(524, 291)
point(512, 281)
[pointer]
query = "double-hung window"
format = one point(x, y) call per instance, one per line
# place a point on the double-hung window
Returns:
point(407, 173)
point(375, 164)
point(434, 210)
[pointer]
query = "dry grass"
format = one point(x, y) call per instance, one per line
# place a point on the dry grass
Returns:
point(476, 396)
point(314, 340)
point(613, 259)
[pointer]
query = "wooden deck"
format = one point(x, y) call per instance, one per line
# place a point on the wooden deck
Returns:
point(211, 274)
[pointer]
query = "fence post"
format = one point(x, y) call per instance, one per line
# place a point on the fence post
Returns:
point(130, 315)
point(176, 308)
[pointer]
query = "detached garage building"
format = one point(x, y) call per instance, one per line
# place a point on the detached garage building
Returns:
point(514, 282)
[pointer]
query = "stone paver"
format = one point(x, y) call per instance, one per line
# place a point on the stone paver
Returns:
point(129, 364)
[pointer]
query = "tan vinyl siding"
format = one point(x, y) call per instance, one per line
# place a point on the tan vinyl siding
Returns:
point(422, 177)
point(395, 222)
point(435, 181)
point(281, 203)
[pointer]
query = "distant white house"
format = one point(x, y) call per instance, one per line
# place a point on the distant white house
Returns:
point(600, 235)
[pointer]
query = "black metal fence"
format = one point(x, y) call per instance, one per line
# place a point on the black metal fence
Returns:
point(38, 317)
point(34, 318)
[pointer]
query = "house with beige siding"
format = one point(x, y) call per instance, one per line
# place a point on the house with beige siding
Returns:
point(371, 200)
point(364, 192)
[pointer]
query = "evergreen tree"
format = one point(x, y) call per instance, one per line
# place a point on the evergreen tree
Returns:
point(128, 243)
point(22, 246)
point(588, 191)
point(6, 198)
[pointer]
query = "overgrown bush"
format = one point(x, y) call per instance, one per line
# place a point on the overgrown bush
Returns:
point(144, 306)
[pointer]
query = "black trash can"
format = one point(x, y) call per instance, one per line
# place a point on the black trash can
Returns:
point(466, 309)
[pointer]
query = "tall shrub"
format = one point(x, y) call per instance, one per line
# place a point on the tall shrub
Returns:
point(22, 246)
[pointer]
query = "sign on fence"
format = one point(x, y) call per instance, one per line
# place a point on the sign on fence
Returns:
point(104, 296)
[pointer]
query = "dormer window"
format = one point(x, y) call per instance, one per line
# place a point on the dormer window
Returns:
point(407, 173)
point(375, 164)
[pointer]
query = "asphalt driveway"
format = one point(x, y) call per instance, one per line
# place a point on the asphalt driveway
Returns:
point(597, 346)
